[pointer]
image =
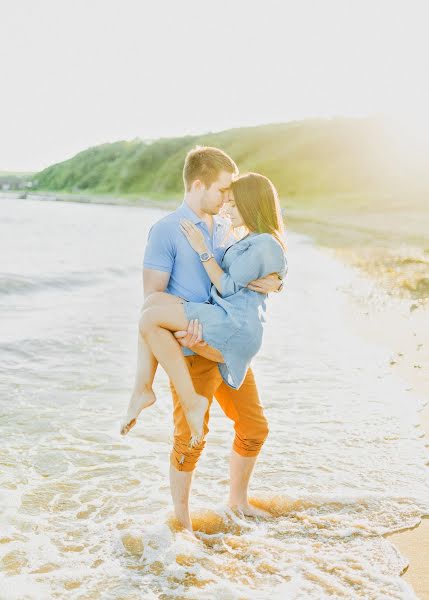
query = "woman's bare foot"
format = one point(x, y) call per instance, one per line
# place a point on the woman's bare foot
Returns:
point(250, 511)
point(195, 412)
point(137, 403)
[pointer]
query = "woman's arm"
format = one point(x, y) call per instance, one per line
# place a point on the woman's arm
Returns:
point(198, 243)
point(215, 272)
point(256, 261)
point(262, 256)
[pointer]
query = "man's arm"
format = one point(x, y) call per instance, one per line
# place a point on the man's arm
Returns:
point(158, 261)
point(154, 281)
point(193, 339)
point(266, 285)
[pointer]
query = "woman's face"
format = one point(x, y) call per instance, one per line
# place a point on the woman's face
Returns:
point(232, 211)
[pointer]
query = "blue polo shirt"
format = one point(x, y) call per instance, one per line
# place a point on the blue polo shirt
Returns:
point(168, 250)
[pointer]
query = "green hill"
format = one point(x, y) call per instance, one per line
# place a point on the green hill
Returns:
point(303, 158)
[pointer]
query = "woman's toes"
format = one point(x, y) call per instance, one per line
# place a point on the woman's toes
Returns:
point(137, 403)
point(127, 425)
point(195, 440)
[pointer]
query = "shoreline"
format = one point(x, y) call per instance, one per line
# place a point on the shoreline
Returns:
point(402, 331)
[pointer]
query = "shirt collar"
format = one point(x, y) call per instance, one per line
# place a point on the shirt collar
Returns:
point(188, 213)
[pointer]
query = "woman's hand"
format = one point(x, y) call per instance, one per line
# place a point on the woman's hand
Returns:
point(194, 236)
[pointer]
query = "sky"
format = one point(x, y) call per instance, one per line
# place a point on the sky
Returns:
point(78, 73)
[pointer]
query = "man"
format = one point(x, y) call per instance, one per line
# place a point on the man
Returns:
point(171, 265)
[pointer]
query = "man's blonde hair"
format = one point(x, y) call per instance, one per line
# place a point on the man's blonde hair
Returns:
point(205, 163)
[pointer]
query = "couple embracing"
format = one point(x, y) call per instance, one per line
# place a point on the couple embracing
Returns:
point(203, 281)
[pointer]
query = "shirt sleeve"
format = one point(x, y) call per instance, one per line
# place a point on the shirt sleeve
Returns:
point(160, 249)
point(257, 260)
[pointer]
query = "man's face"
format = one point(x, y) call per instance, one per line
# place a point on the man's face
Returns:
point(214, 196)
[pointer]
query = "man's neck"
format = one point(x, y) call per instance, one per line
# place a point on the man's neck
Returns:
point(195, 206)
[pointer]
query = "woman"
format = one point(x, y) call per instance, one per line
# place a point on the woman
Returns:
point(231, 319)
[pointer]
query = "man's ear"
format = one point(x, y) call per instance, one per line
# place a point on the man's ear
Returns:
point(197, 186)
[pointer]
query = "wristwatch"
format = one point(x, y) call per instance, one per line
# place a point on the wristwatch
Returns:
point(205, 256)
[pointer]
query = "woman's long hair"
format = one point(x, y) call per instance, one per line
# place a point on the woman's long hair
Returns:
point(258, 204)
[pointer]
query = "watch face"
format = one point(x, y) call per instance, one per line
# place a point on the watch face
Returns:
point(204, 256)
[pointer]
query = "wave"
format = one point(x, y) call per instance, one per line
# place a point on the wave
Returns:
point(16, 284)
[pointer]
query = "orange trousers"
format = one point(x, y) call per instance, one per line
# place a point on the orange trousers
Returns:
point(242, 406)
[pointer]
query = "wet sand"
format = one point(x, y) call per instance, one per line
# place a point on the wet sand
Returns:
point(390, 245)
point(407, 337)
point(385, 238)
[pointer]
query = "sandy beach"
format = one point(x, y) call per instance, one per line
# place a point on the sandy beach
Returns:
point(407, 337)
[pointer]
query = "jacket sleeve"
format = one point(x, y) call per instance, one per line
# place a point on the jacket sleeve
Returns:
point(257, 260)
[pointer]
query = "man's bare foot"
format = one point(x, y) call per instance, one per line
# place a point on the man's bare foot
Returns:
point(137, 403)
point(250, 511)
point(195, 412)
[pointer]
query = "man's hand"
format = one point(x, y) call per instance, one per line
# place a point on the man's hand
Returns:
point(192, 337)
point(265, 285)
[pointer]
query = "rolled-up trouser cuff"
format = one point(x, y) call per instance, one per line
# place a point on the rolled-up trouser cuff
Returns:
point(183, 458)
point(246, 447)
